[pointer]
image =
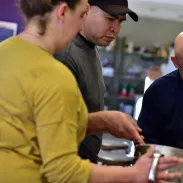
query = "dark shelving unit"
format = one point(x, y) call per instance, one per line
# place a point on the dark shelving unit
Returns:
point(121, 61)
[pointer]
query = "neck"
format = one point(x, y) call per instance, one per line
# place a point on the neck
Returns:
point(84, 35)
point(45, 42)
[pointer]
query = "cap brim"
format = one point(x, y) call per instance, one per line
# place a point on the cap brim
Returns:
point(119, 10)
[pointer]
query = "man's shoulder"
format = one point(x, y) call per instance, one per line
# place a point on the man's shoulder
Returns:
point(73, 53)
point(171, 76)
point(164, 81)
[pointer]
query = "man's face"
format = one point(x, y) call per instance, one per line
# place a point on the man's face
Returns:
point(101, 28)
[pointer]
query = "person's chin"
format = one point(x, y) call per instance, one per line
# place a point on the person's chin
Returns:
point(104, 43)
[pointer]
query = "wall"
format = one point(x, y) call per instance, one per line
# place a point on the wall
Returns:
point(9, 12)
point(144, 32)
point(148, 31)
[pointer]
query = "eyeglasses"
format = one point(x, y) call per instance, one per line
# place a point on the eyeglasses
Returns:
point(180, 66)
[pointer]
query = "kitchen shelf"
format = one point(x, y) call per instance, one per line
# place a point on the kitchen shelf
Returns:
point(138, 79)
point(127, 98)
point(149, 57)
point(121, 61)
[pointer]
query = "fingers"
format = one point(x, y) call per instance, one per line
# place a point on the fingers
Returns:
point(164, 160)
point(137, 127)
point(162, 181)
point(135, 123)
point(177, 160)
point(163, 167)
point(169, 162)
point(166, 163)
point(140, 140)
point(167, 176)
point(135, 131)
point(135, 136)
point(131, 128)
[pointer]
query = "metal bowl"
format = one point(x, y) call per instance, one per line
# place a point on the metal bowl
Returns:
point(164, 150)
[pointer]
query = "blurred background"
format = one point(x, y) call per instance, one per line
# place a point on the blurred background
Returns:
point(139, 55)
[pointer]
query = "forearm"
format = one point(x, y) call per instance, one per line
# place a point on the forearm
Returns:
point(69, 168)
point(73, 169)
point(96, 123)
point(109, 174)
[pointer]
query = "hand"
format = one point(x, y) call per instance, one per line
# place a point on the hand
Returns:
point(143, 165)
point(122, 125)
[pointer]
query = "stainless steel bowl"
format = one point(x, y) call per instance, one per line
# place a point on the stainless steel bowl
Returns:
point(166, 151)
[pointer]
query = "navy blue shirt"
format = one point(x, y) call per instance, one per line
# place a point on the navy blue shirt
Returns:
point(161, 117)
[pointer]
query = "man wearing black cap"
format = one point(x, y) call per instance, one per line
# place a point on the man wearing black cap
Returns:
point(115, 7)
point(100, 28)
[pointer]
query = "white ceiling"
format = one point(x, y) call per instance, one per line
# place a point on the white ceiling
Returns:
point(161, 9)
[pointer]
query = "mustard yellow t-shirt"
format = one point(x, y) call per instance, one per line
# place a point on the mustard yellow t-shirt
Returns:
point(43, 118)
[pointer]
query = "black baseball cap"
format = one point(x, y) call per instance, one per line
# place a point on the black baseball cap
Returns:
point(115, 7)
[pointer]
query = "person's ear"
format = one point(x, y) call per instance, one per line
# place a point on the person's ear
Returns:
point(88, 9)
point(174, 61)
point(61, 12)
